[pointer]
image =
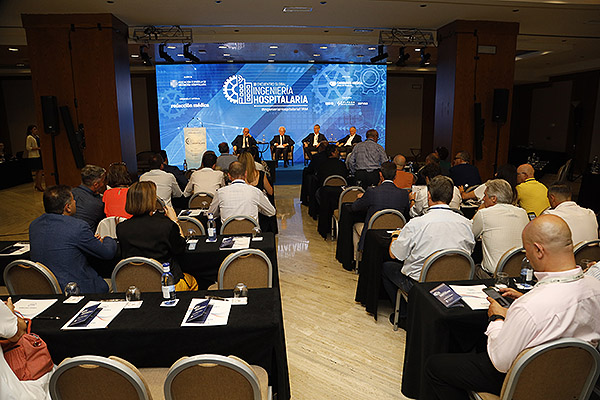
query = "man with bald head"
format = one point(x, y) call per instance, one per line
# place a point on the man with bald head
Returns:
point(280, 145)
point(563, 304)
point(403, 179)
point(531, 194)
point(245, 142)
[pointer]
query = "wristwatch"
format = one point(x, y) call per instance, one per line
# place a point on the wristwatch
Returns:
point(495, 317)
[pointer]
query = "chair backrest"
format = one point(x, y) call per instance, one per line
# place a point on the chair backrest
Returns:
point(28, 277)
point(211, 376)
point(200, 200)
point(448, 265)
point(349, 195)
point(335, 180)
point(557, 370)
point(386, 219)
point(250, 266)
point(108, 226)
point(191, 226)
point(238, 224)
point(97, 378)
point(510, 262)
point(563, 171)
point(589, 249)
point(144, 273)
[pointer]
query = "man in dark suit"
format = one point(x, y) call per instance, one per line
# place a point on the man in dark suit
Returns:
point(463, 173)
point(245, 142)
point(386, 195)
point(62, 242)
point(280, 145)
point(311, 142)
point(346, 144)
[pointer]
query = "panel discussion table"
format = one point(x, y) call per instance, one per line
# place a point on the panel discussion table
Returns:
point(152, 336)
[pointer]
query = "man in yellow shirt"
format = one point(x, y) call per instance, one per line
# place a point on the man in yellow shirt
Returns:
point(531, 194)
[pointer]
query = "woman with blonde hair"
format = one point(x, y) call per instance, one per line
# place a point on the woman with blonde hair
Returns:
point(33, 147)
point(153, 233)
point(259, 180)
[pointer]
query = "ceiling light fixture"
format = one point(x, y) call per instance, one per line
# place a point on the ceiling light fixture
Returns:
point(402, 58)
point(272, 55)
point(145, 56)
point(188, 54)
point(323, 47)
point(222, 46)
point(296, 9)
point(171, 47)
point(273, 47)
point(164, 55)
point(372, 49)
point(13, 49)
point(135, 56)
point(380, 55)
point(316, 55)
point(271, 60)
point(226, 54)
point(425, 57)
point(363, 30)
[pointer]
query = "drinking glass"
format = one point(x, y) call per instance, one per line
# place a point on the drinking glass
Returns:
point(502, 280)
point(72, 289)
point(133, 294)
point(256, 231)
point(240, 290)
point(190, 233)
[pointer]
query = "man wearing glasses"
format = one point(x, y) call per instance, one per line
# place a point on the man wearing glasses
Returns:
point(463, 173)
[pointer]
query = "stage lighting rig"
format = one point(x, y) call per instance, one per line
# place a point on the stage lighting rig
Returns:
point(145, 56)
point(380, 55)
point(188, 54)
point(164, 55)
point(402, 58)
point(425, 57)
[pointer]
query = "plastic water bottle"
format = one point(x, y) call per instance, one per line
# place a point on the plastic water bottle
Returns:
point(168, 283)
point(212, 229)
point(526, 271)
point(184, 164)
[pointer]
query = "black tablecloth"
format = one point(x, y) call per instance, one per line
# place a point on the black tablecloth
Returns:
point(13, 173)
point(433, 329)
point(328, 199)
point(589, 192)
point(375, 252)
point(344, 252)
point(152, 336)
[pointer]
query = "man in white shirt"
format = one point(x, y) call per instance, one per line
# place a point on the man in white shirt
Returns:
point(563, 304)
point(439, 229)
point(206, 179)
point(419, 202)
point(581, 221)
point(166, 184)
point(239, 198)
point(499, 224)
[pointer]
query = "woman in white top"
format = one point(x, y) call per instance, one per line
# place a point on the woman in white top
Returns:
point(11, 388)
point(32, 145)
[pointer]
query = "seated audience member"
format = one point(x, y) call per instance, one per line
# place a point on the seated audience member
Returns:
point(332, 165)
point(508, 172)
point(531, 194)
point(245, 142)
point(365, 160)
point(419, 202)
point(88, 195)
point(377, 198)
point(442, 153)
point(175, 171)
point(403, 179)
point(281, 145)
point(439, 229)
point(166, 184)
point(310, 183)
point(239, 198)
point(153, 233)
point(564, 304)
point(499, 224)
point(114, 198)
point(225, 158)
point(259, 180)
point(582, 221)
point(312, 140)
point(12, 327)
point(62, 242)
point(206, 179)
point(346, 144)
point(463, 173)
point(432, 158)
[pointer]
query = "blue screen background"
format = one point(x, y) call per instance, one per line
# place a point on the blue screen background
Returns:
point(335, 96)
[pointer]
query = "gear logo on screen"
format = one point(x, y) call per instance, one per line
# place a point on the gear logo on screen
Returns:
point(237, 91)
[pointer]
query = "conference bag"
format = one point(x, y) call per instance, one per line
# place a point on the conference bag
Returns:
point(28, 357)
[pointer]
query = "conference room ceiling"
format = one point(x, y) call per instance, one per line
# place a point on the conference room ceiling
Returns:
point(556, 37)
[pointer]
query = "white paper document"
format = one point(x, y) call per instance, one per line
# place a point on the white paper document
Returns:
point(18, 249)
point(32, 308)
point(191, 213)
point(473, 296)
point(239, 243)
point(219, 313)
point(109, 310)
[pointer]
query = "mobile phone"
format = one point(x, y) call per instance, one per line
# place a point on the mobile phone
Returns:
point(494, 294)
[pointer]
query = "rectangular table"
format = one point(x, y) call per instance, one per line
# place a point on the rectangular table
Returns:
point(152, 337)
point(434, 329)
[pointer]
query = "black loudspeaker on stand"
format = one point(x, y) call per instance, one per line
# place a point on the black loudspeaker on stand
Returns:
point(76, 138)
point(50, 117)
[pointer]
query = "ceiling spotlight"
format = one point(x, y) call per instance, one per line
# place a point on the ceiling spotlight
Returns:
point(402, 58)
point(164, 55)
point(272, 55)
point(380, 55)
point(323, 47)
point(226, 54)
point(135, 56)
point(371, 49)
point(145, 56)
point(425, 57)
point(188, 54)
point(273, 46)
point(13, 49)
point(222, 46)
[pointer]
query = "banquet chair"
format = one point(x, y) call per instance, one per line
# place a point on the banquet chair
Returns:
point(200, 200)
point(387, 219)
point(443, 265)
point(589, 249)
point(250, 266)
point(349, 195)
point(216, 377)
point(561, 369)
point(108, 226)
point(97, 378)
point(191, 226)
point(160, 204)
point(335, 180)
point(290, 155)
point(142, 272)
point(238, 224)
point(563, 171)
point(510, 262)
point(28, 277)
